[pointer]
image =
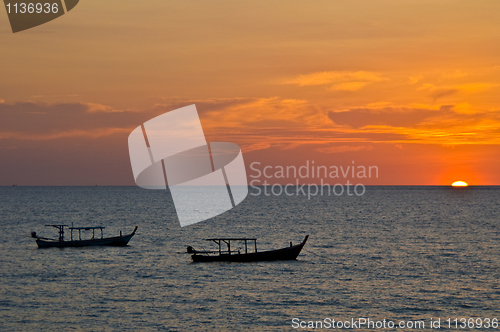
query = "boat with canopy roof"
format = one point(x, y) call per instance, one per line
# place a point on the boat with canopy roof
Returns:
point(225, 254)
point(60, 242)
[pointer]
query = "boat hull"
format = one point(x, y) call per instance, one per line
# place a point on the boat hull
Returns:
point(283, 254)
point(116, 241)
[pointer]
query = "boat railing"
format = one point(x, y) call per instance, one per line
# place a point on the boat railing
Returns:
point(227, 242)
point(214, 252)
point(79, 229)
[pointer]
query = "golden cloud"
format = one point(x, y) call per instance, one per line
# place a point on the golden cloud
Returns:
point(454, 74)
point(344, 148)
point(262, 123)
point(338, 80)
point(264, 113)
point(92, 107)
point(349, 86)
point(465, 108)
point(415, 78)
point(476, 87)
point(437, 92)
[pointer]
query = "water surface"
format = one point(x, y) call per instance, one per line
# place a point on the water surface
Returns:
point(395, 253)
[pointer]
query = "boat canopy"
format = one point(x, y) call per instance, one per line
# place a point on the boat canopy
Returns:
point(231, 239)
point(287, 253)
point(227, 241)
point(60, 227)
point(87, 228)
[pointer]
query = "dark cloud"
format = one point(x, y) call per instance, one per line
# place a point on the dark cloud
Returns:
point(388, 116)
point(439, 93)
point(38, 118)
point(205, 105)
point(35, 119)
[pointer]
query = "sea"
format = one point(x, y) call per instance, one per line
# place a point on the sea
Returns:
point(393, 258)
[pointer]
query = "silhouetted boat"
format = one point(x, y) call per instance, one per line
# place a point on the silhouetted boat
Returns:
point(288, 253)
point(120, 240)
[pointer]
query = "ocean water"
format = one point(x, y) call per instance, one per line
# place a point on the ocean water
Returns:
point(396, 253)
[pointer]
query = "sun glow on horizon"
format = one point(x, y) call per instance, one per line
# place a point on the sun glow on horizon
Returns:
point(459, 184)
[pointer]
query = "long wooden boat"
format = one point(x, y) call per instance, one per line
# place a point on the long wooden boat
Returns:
point(121, 240)
point(288, 253)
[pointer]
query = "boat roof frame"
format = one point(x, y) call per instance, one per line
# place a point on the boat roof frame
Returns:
point(81, 228)
point(231, 239)
point(87, 228)
point(227, 241)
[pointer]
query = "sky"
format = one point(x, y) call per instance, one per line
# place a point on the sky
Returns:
point(411, 87)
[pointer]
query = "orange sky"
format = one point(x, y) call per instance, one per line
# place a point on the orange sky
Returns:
point(411, 87)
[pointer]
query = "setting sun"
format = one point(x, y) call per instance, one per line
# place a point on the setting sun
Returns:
point(459, 184)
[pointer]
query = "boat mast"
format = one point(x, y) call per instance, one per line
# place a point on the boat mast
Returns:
point(61, 231)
